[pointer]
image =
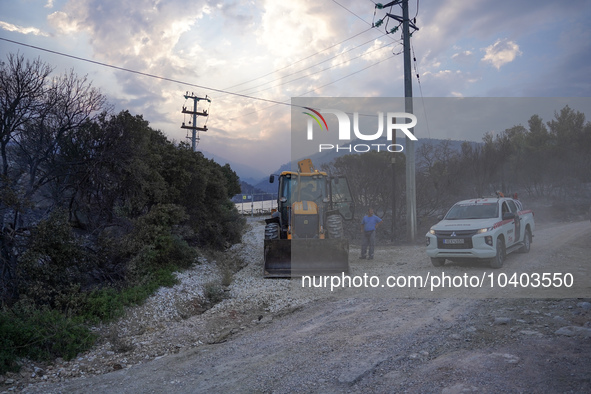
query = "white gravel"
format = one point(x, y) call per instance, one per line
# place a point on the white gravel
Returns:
point(170, 320)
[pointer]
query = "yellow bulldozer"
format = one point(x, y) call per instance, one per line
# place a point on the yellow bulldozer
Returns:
point(305, 235)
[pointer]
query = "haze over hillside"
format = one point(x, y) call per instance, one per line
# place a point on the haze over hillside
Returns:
point(246, 173)
point(320, 158)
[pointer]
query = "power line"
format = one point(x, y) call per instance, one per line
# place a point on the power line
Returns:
point(304, 69)
point(319, 87)
point(274, 102)
point(142, 73)
point(420, 89)
point(314, 54)
point(300, 60)
point(314, 73)
point(348, 75)
point(351, 12)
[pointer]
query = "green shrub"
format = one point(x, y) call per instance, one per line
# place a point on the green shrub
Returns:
point(54, 262)
point(213, 292)
point(108, 303)
point(40, 333)
point(152, 246)
point(102, 305)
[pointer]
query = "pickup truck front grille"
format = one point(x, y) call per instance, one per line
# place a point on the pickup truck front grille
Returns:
point(458, 233)
point(455, 239)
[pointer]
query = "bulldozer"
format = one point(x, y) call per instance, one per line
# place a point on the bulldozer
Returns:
point(305, 235)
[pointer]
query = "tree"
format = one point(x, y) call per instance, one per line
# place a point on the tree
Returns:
point(571, 149)
point(440, 178)
point(37, 115)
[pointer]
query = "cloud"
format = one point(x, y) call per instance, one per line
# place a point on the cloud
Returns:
point(21, 29)
point(123, 31)
point(449, 83)
point(62, 23)
point(461, 55)
point(142, 35)
point(501, 52)
point(274, 50)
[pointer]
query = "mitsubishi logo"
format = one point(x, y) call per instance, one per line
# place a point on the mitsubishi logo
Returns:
point(453, 234)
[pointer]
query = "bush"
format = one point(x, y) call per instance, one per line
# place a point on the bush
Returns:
point(213, 292)
point(152, 246)
point(53, 263)
point(108, 303)
point(39, 333)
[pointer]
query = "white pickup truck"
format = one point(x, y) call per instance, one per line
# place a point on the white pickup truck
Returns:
point(482, 228)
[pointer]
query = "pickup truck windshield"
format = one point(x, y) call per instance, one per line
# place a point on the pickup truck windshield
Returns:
point(472, 211)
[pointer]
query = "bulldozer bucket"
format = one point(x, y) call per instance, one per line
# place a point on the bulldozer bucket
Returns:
point(277, 258)
point(297, 257)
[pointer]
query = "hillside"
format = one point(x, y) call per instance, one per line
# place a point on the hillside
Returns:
point(321, 158)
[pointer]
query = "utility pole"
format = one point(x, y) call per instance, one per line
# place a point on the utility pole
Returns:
point(193, 125)
point(393, 162)
point(411, 193)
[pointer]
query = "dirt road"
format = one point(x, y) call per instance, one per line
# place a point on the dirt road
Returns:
point(390, 341)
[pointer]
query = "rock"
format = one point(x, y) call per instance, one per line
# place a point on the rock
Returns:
point(460, 388)
point(559, 319)
point(574, 331)
point(530, 332)
point(9, 381)
point(507, 357)
point(585, 305)
point(502, 321)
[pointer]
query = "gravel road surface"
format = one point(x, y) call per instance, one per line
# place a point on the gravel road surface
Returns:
point(274, 336)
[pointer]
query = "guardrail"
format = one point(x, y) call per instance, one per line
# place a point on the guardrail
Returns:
point(256, 207)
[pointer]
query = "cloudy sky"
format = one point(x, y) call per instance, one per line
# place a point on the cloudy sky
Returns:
point(275, 50)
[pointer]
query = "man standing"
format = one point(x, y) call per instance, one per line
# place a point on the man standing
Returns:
point(369, 224)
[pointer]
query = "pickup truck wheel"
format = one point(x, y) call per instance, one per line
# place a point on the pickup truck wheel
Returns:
point(437, 262)
point(526, 242)
point(499, 259)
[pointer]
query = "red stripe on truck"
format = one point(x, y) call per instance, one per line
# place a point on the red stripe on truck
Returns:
point(499, 224)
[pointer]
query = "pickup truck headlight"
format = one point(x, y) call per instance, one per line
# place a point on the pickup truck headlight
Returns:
point(432, 232)
point(483, 230)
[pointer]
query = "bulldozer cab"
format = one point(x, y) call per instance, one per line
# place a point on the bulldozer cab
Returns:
point(296, 187)
point(330, 194)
